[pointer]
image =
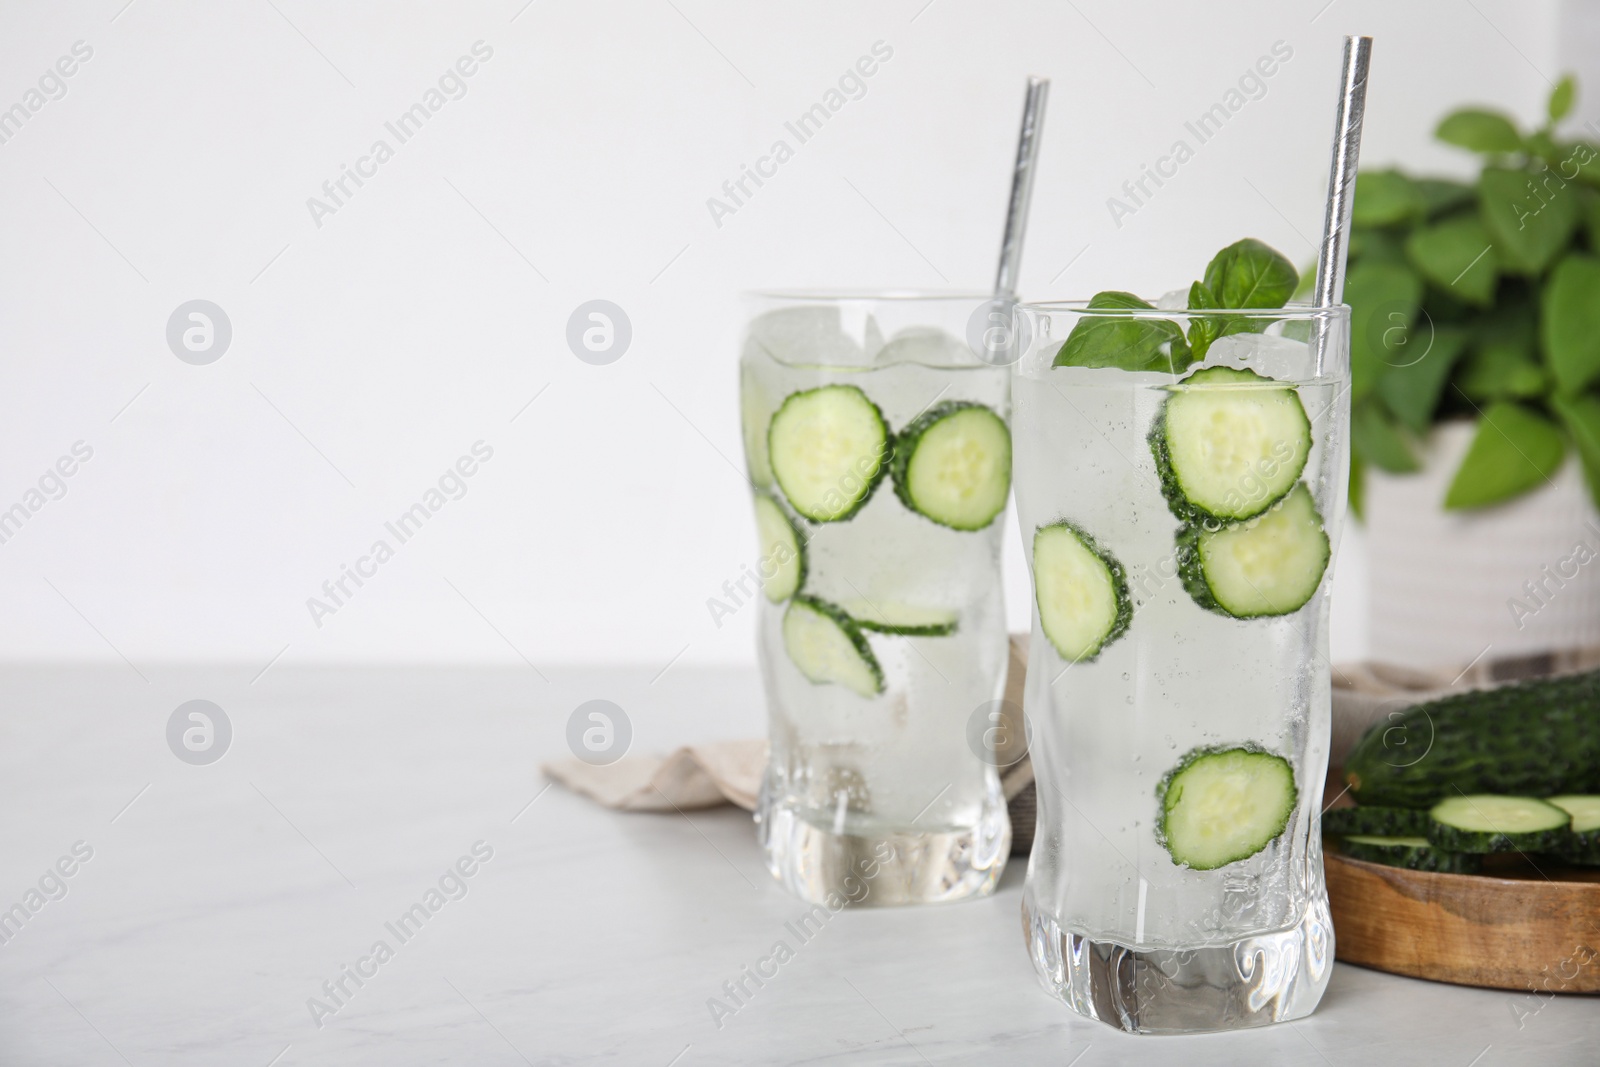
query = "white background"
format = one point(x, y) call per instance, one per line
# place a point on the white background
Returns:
point(372, 351)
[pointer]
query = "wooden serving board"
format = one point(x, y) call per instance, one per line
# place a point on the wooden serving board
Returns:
point(1513, 927)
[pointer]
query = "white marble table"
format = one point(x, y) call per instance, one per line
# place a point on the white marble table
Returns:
point(218, 900)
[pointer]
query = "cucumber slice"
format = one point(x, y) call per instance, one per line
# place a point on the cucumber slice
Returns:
point(828, 646)
point(1268, 565)
point(754, 411)
point(1583, 846)
point(1584, 811)
point(1412, 853)
point(907, 620)
point(1220, 806)
point(952, 464)
point(1229, 444)
point(1488, 823)
point(1081, 591)
point(782, 566)
point(1382, 822)
point(829, 448)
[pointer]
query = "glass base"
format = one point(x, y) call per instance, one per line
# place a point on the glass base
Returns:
point(1268, 978)
point(883, 870)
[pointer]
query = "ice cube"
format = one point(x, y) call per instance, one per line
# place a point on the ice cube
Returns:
point(1177, 300)
point(871, 339)
point(1267, 354)
point(805, 335)
point(928, 346)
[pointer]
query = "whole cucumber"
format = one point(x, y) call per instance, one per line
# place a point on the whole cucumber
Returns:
point(1537, 738)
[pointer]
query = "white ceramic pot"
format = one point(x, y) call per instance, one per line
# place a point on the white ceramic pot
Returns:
point(1508, 581)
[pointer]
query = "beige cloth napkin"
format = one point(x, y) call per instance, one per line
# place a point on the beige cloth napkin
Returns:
point(729, 772)
point(723, 772)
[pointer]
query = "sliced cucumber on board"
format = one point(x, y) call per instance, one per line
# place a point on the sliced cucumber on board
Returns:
point(907, 620)
point(829, 448)
point(1229, 444)
point(828, 647)
point(1412, 853)
point(782, 564)
point(1381, 822)
point(1268, 565)
point(1081, 591)
point(1486, 823)
point(1537, 738)
point(952, 464)
point(1583, 847)
point(1220, 806)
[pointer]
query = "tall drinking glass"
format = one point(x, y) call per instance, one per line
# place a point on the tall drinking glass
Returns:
point(1180, 531)
point(879, 450)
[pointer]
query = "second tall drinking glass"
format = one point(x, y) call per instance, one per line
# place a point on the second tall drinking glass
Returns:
point(1180, 529)
point(880, 451)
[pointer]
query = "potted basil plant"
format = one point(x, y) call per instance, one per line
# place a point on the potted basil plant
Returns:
point(1475, 396)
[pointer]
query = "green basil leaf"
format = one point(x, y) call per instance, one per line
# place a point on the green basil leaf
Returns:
point(1529, 229)
point(1498, 370)
point(1371, 245)
point(1581, 416)
point(1439, 195)
point(1457, 256)
point(1479, 131)
point(1358, 495)
point(1569, 326)
point(1383, 298)
point(1589, 210)
point(1513, 451)
point(1378, 441)
point(1202, 331)
point(1412, 390)
point(1250, 274)
point(1561, 99)
point(1384, 197)
point(1122, 341)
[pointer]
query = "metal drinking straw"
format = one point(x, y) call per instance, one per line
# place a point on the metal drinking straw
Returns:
point(1005, 280)
point(1329, 290)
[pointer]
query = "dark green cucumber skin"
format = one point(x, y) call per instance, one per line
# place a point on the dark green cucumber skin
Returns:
point(1380, 822)
point(1119, 585)
point(1582, 850)
point(935, 630)
point(905, 444)
point(877, 476)
point(1414, 859)
point(1538, 738)
point(1190, 571)
point(1178, 503)
point(851, 628)
point(1453, 839)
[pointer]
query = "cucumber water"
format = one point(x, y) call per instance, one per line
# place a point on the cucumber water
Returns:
point(1176, 671)
point(885, 451)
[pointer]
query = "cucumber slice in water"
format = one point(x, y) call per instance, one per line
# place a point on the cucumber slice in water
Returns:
point(1220, 806)
point(1081, 591)
point(1412, 853)
point(907, 620)
point(828, 646)
point(1488, 823)
point(1268, 565)
point(1583, 846)
point(782, 565)
point(1381, 822)
point(753, 415)
point(829, 448)
point(952, 464)
point(1229, 444)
